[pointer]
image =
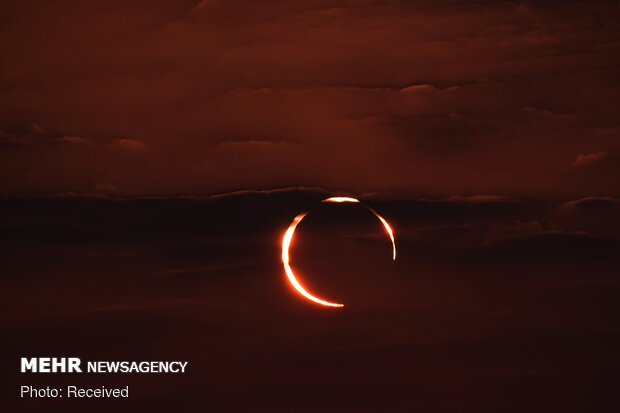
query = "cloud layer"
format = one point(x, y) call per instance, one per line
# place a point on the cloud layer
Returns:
point(187, 97)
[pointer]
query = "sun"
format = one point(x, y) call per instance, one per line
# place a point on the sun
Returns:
point(288, 239)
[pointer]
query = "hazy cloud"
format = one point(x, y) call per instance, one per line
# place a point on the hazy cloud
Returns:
point(75, 139)
point(129, 144)
point(589, 158)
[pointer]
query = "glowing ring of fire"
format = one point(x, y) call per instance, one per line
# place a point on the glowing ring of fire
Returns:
point(288, 239)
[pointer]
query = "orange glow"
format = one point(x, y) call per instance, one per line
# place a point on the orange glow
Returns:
point(388, 229)
point(288, 239)
point(286, 243)
point(340, 199)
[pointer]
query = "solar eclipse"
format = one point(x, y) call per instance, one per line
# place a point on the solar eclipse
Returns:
point(288, 239)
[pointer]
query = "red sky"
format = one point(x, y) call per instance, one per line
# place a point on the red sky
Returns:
point(186, 97)
point(486, 132)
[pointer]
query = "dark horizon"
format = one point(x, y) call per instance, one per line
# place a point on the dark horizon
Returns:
point(493, 303)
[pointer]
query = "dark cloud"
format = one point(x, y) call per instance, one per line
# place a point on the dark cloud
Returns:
point(554, 245)
point(596, 172)
point(468, 318)
point(594, 215)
